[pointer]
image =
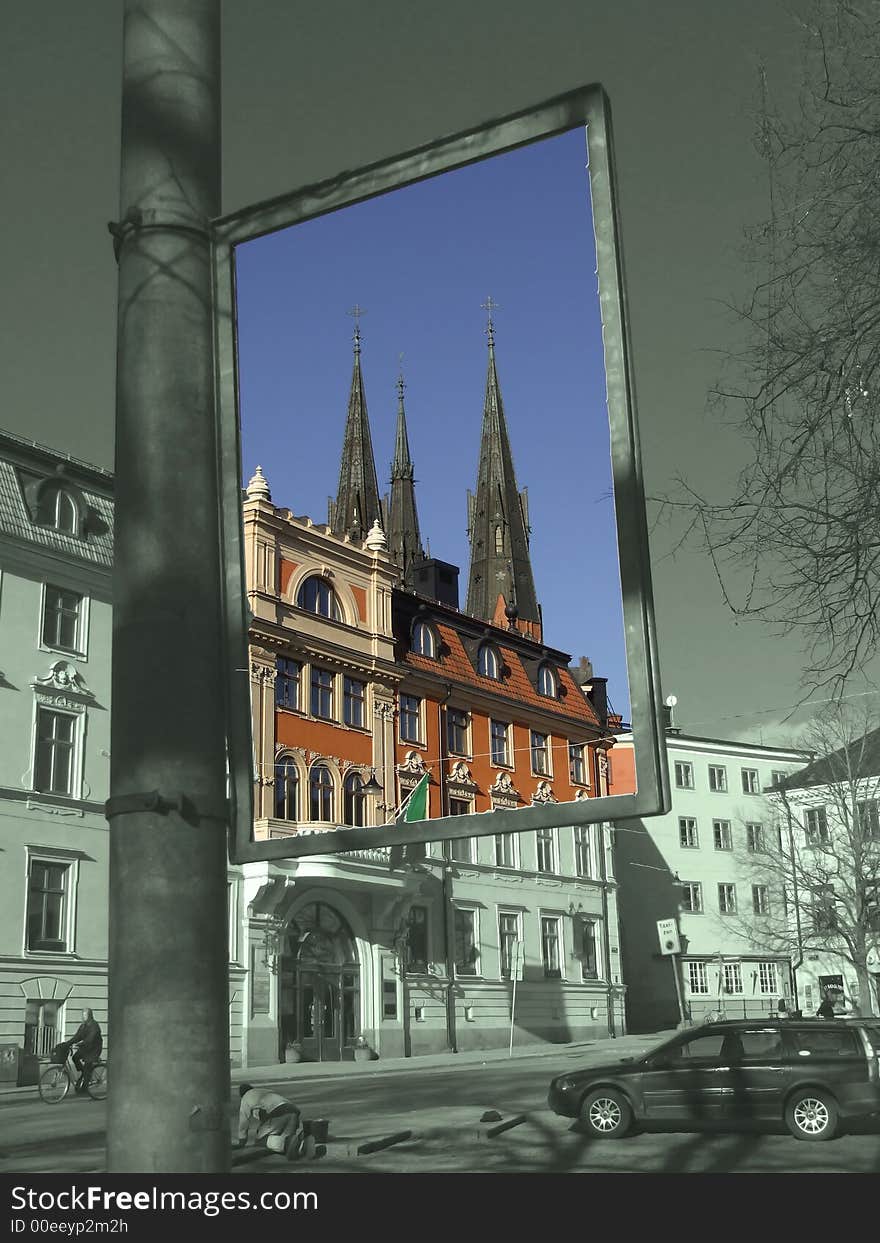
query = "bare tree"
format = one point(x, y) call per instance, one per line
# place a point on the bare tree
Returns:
point(798, 542)
point(819, 865)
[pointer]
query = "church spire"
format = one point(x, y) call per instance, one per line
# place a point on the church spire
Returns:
point(498, 520)
point(357, 505)
point(404, 541)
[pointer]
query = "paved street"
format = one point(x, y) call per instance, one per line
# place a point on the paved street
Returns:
point(442, 1106)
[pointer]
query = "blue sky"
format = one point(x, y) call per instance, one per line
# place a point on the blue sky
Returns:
point(421, 261)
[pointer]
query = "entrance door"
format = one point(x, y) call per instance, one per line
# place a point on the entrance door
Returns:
point(324, 994)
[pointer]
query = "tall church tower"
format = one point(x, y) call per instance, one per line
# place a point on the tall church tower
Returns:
point(357, 505)
point(498, 522)
point(404, 541)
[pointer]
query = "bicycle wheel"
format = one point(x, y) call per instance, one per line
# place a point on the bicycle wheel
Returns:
point(97, 1088)
point(54, 1084)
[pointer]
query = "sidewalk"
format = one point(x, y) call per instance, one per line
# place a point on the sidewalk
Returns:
point(611, 1050)
point(595, 1051)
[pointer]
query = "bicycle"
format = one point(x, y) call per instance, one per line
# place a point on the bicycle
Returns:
point(56, 1080)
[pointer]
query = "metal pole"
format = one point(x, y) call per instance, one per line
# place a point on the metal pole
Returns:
point(168, 1033)
point(673, 958)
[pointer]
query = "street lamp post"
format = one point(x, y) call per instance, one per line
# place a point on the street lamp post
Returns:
point(168, 1031)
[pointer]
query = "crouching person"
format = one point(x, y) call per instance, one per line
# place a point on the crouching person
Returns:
point(277, 1120)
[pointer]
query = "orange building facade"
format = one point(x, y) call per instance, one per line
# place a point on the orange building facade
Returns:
point(354, 678)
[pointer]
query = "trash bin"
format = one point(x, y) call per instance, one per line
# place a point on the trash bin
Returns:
point(18, 1068)
point(10, 1056)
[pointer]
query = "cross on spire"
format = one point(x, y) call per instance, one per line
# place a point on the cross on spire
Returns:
point(357, 311)
point(400, 384)
point(489, 306)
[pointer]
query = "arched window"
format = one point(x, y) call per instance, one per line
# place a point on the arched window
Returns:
point(57, 509)
point(286, 790)
point(423, 641)
point(353, 801)
point(547, 681)
point(320, 793)
point(488, 664)
point(317, 596)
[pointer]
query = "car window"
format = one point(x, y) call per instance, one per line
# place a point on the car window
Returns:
point(825, 1042)
point(873, 1032)
point(708, 1045)
point(766, 1043)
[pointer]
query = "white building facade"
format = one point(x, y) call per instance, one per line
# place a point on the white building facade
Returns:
point(695, 865)
point(56, 522)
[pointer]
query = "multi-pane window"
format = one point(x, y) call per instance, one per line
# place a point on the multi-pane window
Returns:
point(816, 826)
point(692, 897)
point(47, 905)
point(286, 790)
point(777, 776)
point(457, 731)
point(760, 900)
point(461, 849)
point(727, 899)
point(410, 718)
point(551, 948)
point(508, 935)
point(577, 767)
point(869, 817)
point(354, 695)
point(767, 978)
point(288, 674)
point(505, 850)
point(320, 793)
point(56, 746)
point(687, 832)
point(423, 641)
point(547, 681)
point(353, 800)
point(42, 1020)
point(488, 664)
point(754, 838)
point(317, 596)
point(62, 619)
point(583, 851)
point(698, 978)
point(721, 833)
point(322, 693)
point(824, 914)
point(546, 853)
point(589, 954)
point(732, 976)
point(684, 775)
point(540, 754)
point(750, 781)
point(417, 940)
point(717, 778)
point(467, 953)
point(499, 742)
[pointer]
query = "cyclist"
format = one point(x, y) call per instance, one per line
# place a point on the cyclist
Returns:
point(87, 1045)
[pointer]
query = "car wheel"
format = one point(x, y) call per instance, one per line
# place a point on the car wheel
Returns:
point(813, 1115)
point(607, 1114)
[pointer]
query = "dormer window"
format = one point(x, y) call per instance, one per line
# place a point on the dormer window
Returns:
point(57, 508)
point(317, 596)
point(547, 684)
point(424, 642)
point(488, 664)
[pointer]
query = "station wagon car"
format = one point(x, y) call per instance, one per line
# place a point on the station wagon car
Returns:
point(811, 1074)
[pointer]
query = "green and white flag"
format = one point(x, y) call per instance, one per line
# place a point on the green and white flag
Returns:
point(415, 808)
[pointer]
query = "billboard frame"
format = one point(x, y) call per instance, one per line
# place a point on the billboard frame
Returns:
point(586, 107)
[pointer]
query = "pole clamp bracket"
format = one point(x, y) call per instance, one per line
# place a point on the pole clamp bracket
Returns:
point(136, 220)
point(155, 803)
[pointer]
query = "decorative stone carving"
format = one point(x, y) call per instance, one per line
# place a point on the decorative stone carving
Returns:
point(503, 792)
point(413, 763)
point(461, 773)
point(581, 794)
point(544, 794)
point(64, 676)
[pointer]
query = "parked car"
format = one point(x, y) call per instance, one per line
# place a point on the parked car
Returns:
point(808, 1073)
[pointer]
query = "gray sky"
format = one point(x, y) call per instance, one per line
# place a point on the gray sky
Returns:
point(310, 89)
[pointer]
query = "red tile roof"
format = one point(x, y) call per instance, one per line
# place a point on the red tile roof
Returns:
point(453, 664)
